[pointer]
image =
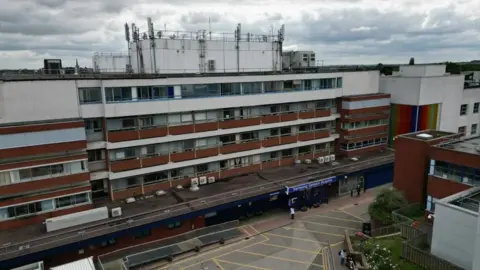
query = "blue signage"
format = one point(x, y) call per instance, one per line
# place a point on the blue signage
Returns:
point(317, 183)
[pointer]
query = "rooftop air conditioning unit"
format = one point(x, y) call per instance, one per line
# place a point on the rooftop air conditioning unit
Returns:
point(332, 157)
point(211, 179)
point(298, 161)
point(116, 212)
point(354, 159)
point(194, 184)
point(203, 180)
point(179, 187)
point(308, 161)
point(327, 159)
point(130, 200)
point(321, 160)
point(160, 193)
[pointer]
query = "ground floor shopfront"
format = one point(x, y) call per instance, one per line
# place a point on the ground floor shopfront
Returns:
point(318, 191)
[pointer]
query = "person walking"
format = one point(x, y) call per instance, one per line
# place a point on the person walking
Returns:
point(342, 255)
point(292, 213)
point(358, 190)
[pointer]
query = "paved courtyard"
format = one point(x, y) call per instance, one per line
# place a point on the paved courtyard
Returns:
point(298, 245)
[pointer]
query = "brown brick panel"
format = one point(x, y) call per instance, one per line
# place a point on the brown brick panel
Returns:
point(37, 162)
point(365, 110)
point(287, 161)
point(184, 182)
point(210, 174)
point(288, 139)
point(154, 161)
point(270, 164)
point(42, 149)
point(455, 157)
point(240, 123)
point(306, 115)
point(320, 154)
point(131, 192)
point(322, 134)
point(32, 198)
point(365, 131)
point(153, 132)
point(120, 136)
point(307, 136)
point(125, 165)
point(206, 127)
point(288, 117)
point(270, 119)
point(366, 97)
point(232, 148)
point(440, 188)
point(185, 129)
point(323, 113)
point(210, 152)
point(44, 183)
point(364, 138)
point(365, 118)
point(271, 142)
point(305, 156)
point(152, 188)
point(38, 219)
point(362, 151)
point(177, 157)
point(40, 127)
point(240, 171)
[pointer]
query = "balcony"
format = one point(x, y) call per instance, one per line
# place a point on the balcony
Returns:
point(323, 112)
point(122, 135)
point(187, 154)
point(226, 124)
point(320, 134)
point(207, 151)
point(291, 116)
point(269, 119)
point(181, 129)
point(239, 170)
point(306, 136)
point(271, 141)
point(95, 166)
point(125, 165)
point(52, 181)
point(241, 146)
point(160, 131)
point(286, 139)
point(306, 115)
point(203, 127)
point(155, 160)
point(95, 136)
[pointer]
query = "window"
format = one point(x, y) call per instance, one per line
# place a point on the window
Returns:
point(93, 126)
point(211, 65)
point(40, 172)
point(474, 129)
point(143, 234)
point(462, 129)
point(200, 90)
point(72, 200)
point(128, 123)
point(201, 168)
point(287, 153)
point(145, 122)
point(94, 155)
point(339, 82)
point(431, 204)
point(90, 95)
point(174, 225)
point(463, 109)
point(150, 149)
point(115, 94)
point(228, 89)
point(152, 92)
point(25, 209)
point(155, 177)
point(476, 106)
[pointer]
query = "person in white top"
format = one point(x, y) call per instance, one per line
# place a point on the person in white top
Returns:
point(292, 213)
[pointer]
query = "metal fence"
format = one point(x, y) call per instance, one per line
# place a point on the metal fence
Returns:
point(89, 231)
point(329, 259)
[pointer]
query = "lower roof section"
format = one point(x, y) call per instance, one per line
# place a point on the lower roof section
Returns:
point(184, 203)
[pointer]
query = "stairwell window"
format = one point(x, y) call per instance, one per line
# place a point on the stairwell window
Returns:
point(431, 204)
point(476, 107)
point(464, 109)
point(90, 95)
point(474, 129)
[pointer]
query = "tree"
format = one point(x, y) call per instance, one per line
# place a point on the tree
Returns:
point(453, 68)
point(387, 201)
point(412, 61)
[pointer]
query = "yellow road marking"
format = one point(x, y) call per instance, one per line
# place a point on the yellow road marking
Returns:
point(255, 230)
point(296, 238)
point(335, 226)
point(277, 258)
point(338, 243)
point(324, 261)
point(312, 231)
point(352, 215)
point(206, 253)
point(243, 265)
point(218, 264)
point(342, 219)
point(290, 248)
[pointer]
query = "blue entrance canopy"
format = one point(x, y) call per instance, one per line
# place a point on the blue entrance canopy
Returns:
point(317, 183)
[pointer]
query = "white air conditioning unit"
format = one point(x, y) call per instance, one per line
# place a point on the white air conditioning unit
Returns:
point(130, 200)
point(332, 157)
point(321, 160)
point(211, 179)
point(160, 193)
point(116, 212)
point(203, 180)
point(308, 161)
point(298, 161)
point(194, 184)
point(179, 187)
point(327, 159)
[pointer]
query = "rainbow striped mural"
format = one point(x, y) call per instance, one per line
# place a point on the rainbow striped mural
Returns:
point(409, 118)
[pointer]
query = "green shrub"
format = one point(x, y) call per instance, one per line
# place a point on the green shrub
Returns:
point(387, 200)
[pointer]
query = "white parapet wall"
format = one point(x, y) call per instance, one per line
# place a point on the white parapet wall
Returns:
point(75, 219)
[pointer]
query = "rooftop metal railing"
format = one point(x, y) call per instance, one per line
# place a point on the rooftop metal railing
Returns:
point(51, 240)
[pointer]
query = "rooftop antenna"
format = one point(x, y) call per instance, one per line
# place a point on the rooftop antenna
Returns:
point(151, 35)
point(209, 28)
point(127, 38)
point(76, 67)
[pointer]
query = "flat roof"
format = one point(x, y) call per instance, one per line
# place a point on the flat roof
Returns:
point(469, 146)
point(84, 264)
point(179, 202)
point(467, 200)
point(41, 76)
point(427, 135)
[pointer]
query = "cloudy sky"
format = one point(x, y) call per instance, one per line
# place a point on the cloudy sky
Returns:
point(339, 31)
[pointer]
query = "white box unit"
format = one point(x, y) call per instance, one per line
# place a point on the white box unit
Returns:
point(327, 159)
point(130, 200)
point(321, 160)
point(83, 264)
point(332, 157)
point(298, 161)
point(203, 180)
point(160, 192)
point(211, 179)
point(75, 219)
point(32, 266)
point(116, 212)
point(308, 161)
point(194, 181)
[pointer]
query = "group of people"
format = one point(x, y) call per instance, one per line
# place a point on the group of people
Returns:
point(346, 259)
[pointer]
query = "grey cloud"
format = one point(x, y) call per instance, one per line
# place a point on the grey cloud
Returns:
point(200, 17)
point(274, 16)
